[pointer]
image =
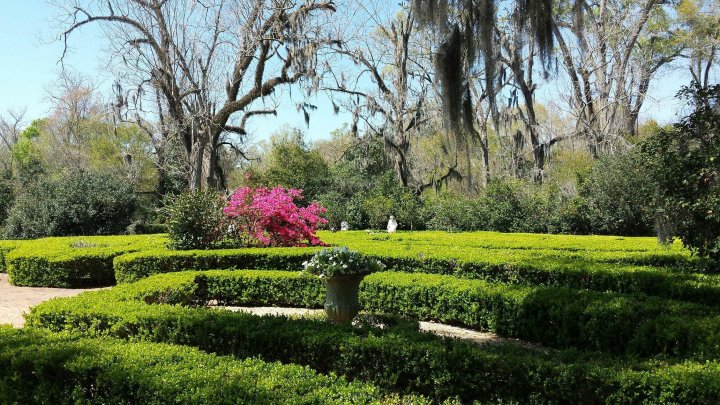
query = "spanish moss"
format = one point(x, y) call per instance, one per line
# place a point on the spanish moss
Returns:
point(469, 30)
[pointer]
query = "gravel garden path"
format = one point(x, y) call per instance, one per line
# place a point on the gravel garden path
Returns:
point(481, 338)
point(14, 301)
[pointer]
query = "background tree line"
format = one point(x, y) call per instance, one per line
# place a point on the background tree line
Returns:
point(465, 115)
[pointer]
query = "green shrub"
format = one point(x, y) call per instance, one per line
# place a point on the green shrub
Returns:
point(453, 213)
point(37, 367)
point(396, 358)
point(72, 262)
point(573, 217)
point(684, 162)
point(6, 246)
point(388, 197)
point(196, 221)
point(134, 266)
point(627, 209)
point(76, 203)
point(590, 262)
point(7, 196)
point(150, 229)
point(557, 317)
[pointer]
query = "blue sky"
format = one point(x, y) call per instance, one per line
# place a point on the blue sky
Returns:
point(29, 66)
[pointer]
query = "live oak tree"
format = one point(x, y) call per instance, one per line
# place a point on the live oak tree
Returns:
point(611, 56)
point(700, 20)
point(202, 69)
point(385, 88)
point(11, 124)
point(467, 30)
point(391, 89)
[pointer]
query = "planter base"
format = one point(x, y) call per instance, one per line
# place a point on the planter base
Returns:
point(341, 299)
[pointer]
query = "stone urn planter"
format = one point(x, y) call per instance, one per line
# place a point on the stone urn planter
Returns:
point(341, 297)
point(342, 270)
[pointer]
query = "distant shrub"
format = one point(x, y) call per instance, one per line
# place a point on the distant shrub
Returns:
point(196, 221)
point(453, 213)
point(617, 192)
point(685, 163)
point(76, 203)
point(573, 217)
point(7, 196)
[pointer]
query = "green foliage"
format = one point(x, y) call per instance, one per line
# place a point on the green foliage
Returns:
point(556, 317)
point(70, 262)
point(7, 197)
point(135, 266)
point(626, 209)
point(387, 198)
point(360, 168)
point(75, 203)
point(511, 206)
point(685, 162)
point(397, 357)
point(291, 164)
point(37, 367)
point(26, 155)
point(591, 262)
point(573, 217)
point(6, 246)
point(196, 220)
point(633, 325)
point(452, 213)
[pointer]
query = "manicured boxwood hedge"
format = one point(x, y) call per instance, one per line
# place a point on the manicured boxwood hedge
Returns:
point(135, 266)
point(397, 358)
point(558, 272)
point(632, 325)
point(558, 317)
point(516, 247)
point(500, 240)
point(6, 246)
point(72, 261)
point(54, 262)
point(37, 367)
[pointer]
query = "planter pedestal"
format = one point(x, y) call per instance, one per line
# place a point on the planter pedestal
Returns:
point(341, 298)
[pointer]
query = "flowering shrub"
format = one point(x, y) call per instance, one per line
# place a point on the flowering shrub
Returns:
point(341, 262)
point(270, 217)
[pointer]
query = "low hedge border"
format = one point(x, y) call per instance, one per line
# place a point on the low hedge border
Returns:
point(57, 264)
point(691, 287)
point(632, 325)
point(6, 246)
point(37, 367)
point(500, 240)
point(519, 247)
point(135, 266)
point(396, 358)
point(72, 262)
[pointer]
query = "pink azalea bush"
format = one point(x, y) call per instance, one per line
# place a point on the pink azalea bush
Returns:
point(271, 217)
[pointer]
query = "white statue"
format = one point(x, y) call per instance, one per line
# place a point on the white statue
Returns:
point(344, 226)
point(392, 225)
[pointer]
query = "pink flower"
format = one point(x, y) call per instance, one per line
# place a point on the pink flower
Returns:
point(271, 217)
